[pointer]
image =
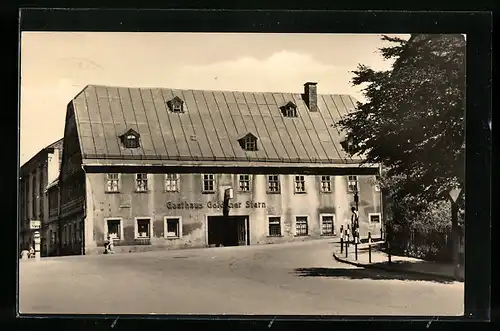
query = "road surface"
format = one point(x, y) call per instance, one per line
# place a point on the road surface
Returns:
point(294, 278)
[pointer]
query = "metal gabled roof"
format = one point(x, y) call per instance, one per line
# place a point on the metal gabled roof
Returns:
point(209, 127)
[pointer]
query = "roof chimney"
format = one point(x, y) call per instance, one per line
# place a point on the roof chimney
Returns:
point(311, 96)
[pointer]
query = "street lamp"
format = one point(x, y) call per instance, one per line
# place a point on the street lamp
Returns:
point(356, 196)
point(228, 194)
point(356, 219)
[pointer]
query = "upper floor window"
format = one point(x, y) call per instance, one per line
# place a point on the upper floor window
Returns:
point(273, 183)
point(130, 139)
point(209, 183)
point(41, 183)
point(244, 183)
point(248, 142)
point(176, 105)
point(348, 145)
point(112, 182)
point(300, 184)
point(171, 182)
point(33, 196)
point(376, 185)
point(41, 189)
point(352, 184)
point(326, 184)
point(141, 182)
point(289, 110)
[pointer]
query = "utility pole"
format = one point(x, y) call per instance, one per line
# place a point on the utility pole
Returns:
point(356, 220)
point(454, 195)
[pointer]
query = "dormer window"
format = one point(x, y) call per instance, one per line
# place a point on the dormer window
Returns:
point(289, 110)
point(347, 145)
point(176, 105)
point(248, 142)
point(130, 139)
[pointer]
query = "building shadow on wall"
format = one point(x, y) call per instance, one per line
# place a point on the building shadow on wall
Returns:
point(361, 273)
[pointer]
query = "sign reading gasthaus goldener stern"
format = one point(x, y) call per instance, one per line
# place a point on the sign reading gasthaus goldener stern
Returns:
point(214, 205)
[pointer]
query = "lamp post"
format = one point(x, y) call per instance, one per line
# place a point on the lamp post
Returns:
point(356, 196)
point(228, 194)
point(356, 219)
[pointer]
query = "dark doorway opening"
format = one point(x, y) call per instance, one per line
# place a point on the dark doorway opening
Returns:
point(228, 231)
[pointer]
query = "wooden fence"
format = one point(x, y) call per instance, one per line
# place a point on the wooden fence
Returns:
point(434, 245)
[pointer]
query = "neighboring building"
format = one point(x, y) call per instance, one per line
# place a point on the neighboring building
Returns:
point(36, 174)
point(53, 196)
point(150, 166)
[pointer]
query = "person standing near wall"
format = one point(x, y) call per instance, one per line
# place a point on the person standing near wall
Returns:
point(354, 222)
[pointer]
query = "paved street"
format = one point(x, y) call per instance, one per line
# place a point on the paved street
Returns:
point(299, 278)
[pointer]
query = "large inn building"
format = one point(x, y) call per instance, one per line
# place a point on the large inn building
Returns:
point(149, 167)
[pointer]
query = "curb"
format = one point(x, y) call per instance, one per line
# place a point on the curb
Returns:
point(390, 269)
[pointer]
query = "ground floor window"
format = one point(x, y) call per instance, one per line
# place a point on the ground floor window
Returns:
point(79, 230)
point(172, 227)
point(114, 228)
point(274, 226)
point(75, 235)
point(374, 218)
point(143, 228)
point(327, 225)
point(301, 228)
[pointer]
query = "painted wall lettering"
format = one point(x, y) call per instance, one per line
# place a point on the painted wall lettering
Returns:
point(214, 205)
point(184, 205)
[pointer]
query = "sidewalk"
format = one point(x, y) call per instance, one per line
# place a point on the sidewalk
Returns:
point(404, 264)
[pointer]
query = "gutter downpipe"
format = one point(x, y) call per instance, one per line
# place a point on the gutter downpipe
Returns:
point(84, 218)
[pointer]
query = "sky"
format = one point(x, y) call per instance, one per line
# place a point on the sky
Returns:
point(56, 66)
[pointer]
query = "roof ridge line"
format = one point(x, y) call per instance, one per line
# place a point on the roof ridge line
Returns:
point(190, 89)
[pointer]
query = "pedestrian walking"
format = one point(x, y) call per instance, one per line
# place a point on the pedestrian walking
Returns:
point(31, 252)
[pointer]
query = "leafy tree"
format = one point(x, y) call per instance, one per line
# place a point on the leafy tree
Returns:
point(412, 122)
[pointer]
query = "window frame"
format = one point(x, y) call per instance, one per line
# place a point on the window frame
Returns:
point(374, 214)
point(74, 238)
point(240, 181)
point(307, 226)
point(41, 193)
point(118, 180)
point(290, 111)
point(128, 138)
point(330, 181)
point(137, 190)
point(65, 237)
point(165, 227)
point(250, 144)
point(136, 227)
point(295, 182)
point(269, 226)
point(203, 190)
point(334, 232)
point(34, 203)
point(106, 226)
point(349, 180)
point(177, 182)
point(268, 182)
point(177, 107)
